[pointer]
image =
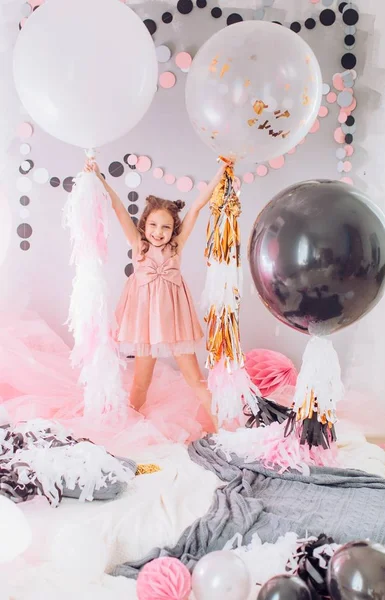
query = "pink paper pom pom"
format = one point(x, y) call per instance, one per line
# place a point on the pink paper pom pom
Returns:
point(270, 371)
point(164, 579)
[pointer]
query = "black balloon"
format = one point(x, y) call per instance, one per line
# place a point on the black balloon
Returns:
point(357, 572)
point(317, 256)
point(284, 587)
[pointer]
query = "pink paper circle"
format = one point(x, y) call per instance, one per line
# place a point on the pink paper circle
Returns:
point(347, 166)
point(167, 80)
point(323, 111)
point(277, 163)
point(331, 97)
point(338, 82)
point(342, 116)
point(143, 164)
point(183, 60)
point(339, 135)
point(292, 150)
point(348, 180)
point(302, 141)
point(184, 184)
point(158, 173)
point(349, 150)
point(315, 126)
point(314, 1)
point(132, 160)
point(248, 178)
point(201, 186)
point(351, 106)
point(169, 179)
point(24, 130)
point(262, 170)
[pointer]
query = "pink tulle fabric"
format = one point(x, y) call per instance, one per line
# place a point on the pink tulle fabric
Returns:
point(270, 371)
point(164, 579)
point(37, 381)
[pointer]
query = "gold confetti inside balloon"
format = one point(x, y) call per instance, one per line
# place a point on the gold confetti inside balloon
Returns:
point(254, 90)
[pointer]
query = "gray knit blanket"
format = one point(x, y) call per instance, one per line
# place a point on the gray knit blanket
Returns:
point(345, 504)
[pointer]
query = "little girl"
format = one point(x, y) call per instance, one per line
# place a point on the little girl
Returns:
point(156, 315)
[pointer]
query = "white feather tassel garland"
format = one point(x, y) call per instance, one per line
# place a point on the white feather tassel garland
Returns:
point(90, 319)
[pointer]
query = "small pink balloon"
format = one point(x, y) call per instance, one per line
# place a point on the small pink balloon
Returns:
point(338, 82)
point(169, 179)
point(331, 97)
point(315, 126)
point(248, 178)
point(167, 80)
point(184, 184)
point(323, 111)
point(158, 173)
point(262, 170)
point(144, 164)
point(132, 160)
point(277, 163)
point(202, 186)
point(348, 180)
point(183, 60)
point(339, 135)
point(164, 579)
point(24, 130)
point(342, 117)
point(349, 150)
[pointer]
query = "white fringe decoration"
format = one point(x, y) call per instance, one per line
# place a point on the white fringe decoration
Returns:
point(321, 374)
point(90, 318)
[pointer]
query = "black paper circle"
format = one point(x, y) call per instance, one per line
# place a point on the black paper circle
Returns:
point(24, 230)
point(350, 16)
point(348, 61)
point(54, 181)
point(216, 12)
point(185, 6)
point(116, 169)
point(234, 18)
point(310, 23)
point(327, 17)
point(68, 184)
point(167, 17)
point(295, 26)
point(129, 269)
point(151, 25)
point(24, 200)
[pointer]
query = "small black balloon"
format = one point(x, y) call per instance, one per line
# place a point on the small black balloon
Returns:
point(284, 587)
point(317, 256)
point(357, 562)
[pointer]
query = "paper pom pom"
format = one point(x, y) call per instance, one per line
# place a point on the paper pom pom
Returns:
point(270, 371)
point(164, 579)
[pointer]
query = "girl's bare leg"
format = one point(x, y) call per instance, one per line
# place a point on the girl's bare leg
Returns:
point(189, 367)
point(143, 371)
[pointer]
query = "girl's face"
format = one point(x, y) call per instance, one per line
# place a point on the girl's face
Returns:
point(159, 227)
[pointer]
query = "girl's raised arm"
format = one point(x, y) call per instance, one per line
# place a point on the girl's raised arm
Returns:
point(128, 226)
point(201, 201)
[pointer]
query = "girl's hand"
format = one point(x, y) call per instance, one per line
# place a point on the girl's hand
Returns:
point(92, 167)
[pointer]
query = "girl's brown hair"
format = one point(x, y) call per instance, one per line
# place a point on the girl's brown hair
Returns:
point(152, 204)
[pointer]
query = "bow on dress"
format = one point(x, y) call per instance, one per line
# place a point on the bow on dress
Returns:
point(150, 271)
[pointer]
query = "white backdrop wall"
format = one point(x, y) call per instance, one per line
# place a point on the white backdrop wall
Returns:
point(41, 277)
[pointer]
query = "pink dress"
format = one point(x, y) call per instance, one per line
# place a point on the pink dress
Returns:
point(156, 315)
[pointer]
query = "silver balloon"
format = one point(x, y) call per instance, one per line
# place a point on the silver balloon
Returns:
point(317, 256)
point(357, 572)
point(221, 576)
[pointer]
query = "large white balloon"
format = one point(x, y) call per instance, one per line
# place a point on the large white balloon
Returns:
point(85, 70)
point(15, 532)
point(254, 90)
point(221, 575)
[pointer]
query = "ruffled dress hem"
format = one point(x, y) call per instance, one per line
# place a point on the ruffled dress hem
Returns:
point(162, 350)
